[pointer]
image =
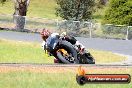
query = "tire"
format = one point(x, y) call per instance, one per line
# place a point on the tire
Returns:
point(89, 58)
point(62, 59)
point(70, 49)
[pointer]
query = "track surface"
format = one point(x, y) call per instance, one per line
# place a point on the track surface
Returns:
point(62, 65)
point(116, 46)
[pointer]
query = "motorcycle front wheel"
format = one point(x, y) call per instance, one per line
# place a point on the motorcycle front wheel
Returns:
point(66, 53)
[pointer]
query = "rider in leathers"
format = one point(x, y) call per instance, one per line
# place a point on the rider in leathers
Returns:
point(49, 41)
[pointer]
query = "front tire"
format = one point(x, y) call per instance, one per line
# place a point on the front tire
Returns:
point(70, 49)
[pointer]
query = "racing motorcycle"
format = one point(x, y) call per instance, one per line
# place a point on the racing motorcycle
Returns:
point(67, 53)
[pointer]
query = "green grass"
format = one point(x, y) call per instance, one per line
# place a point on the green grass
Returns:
point(35, 80)
point(25, 52)
point(41, 8)
point(106, 56)
point(44, 9)
point(21, 52)
point(28, 79)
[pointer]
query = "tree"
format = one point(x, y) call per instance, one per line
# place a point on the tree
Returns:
point(75, 9)
point(20, 13)
point(2, 1)
point(119, 12)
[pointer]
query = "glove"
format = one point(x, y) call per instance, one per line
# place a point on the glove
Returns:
point(63, 34)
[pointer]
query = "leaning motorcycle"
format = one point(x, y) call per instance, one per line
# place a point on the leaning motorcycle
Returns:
point(67, 53)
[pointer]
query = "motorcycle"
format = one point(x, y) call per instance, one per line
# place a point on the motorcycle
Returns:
point(67, 53)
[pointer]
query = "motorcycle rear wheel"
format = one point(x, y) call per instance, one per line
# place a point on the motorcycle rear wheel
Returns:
point(87, 58)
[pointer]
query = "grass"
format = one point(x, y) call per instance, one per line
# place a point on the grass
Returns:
point(100, 33)
point(25, 52)
point(41, 8)
point(32, 79)
point(106, 56)
point(31, 23)
point(21, 52)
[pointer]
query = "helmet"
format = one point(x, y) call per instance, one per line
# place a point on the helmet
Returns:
point(45, 34)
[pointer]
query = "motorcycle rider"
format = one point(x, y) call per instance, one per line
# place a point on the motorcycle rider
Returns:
point(49, 39)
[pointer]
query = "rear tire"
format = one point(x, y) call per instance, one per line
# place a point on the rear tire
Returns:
point(89, 58)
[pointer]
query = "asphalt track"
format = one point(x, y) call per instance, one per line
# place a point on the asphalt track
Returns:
point(63, 65)
point(116, 46)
